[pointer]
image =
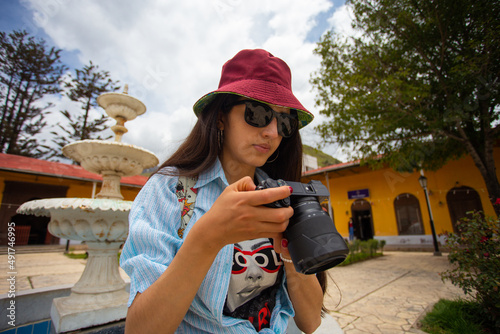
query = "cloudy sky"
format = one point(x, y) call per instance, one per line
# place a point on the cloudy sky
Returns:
point(170, 53)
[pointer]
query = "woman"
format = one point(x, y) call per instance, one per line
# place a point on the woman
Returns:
point(224, 267)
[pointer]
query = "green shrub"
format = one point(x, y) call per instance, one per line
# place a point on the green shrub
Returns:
point(354, 246)
point(475, 254)
point(362, 250)
point(373, 245)
point(72, 255)
point(449, 316)
point(364, 247)
point(381, 245)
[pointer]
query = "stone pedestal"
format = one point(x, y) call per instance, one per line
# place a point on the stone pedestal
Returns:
point(99, 297)
point(87, 310)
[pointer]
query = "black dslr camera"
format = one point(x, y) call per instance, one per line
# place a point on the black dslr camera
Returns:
point(313, 241)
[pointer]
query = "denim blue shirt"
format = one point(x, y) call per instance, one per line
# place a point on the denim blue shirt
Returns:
point(153, 242)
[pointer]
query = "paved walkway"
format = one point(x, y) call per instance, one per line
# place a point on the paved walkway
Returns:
point(388, 294)
point(383, 295)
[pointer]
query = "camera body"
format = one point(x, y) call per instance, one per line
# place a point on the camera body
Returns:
point(313, 241)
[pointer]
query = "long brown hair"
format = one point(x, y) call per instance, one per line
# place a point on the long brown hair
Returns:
point(201, 148)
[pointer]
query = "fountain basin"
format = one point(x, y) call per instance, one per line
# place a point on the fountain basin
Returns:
point(101, 157)
point(83, 219)
point(121, 105)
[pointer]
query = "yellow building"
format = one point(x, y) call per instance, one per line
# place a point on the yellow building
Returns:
point(388, 205)
point(24, 179)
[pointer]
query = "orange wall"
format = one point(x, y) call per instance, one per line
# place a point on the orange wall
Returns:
point(76, 188)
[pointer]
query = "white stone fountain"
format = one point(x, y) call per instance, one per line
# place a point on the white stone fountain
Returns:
point(99, 296)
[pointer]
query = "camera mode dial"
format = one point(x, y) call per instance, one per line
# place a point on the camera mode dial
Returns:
point(271, 183)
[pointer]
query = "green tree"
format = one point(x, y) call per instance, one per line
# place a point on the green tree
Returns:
point(84, 88)
point(29, 71)
point(418, 87)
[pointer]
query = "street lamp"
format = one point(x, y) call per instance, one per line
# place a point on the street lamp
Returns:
point(423, 183)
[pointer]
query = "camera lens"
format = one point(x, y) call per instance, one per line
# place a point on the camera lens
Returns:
point(313, 242)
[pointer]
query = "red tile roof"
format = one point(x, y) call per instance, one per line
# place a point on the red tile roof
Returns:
point(21, 164)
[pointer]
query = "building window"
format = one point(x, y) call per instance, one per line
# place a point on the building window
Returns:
point(408, 215)
point(461, 202)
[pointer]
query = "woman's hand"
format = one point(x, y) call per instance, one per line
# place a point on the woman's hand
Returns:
point(239, 214)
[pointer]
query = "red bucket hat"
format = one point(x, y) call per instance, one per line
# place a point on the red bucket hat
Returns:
point(258, 75)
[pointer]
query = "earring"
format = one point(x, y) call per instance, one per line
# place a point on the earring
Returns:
point(271, 161)
point(220, 138)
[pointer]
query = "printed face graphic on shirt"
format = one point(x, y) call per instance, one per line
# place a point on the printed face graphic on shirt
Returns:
point(255, 268)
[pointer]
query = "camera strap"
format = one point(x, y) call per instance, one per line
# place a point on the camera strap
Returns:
point(186, 195)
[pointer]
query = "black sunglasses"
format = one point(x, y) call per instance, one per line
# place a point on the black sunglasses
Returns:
point(259, 114)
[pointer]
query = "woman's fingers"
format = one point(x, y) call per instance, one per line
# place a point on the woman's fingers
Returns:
point(260, 197)
point(274, 215)
point(243, 184)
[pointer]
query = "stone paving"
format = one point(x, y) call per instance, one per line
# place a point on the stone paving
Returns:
point(42, 270)
point(382, 295)
point(387, 294)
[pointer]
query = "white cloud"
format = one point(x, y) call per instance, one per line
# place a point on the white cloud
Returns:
point(170, 53)
point(341, 20)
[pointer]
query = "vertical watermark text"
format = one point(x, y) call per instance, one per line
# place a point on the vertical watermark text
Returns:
point(11, 273)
